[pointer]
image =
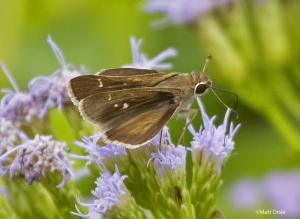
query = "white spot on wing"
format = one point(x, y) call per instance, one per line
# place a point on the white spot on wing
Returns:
point(125, 105)
point(116, 105)
point(109, 97)
point(100, 83)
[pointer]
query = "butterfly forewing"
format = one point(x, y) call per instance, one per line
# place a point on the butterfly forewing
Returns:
point(86, 85)
point(126, 72)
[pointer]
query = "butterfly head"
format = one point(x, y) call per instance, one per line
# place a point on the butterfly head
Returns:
point(203, 84)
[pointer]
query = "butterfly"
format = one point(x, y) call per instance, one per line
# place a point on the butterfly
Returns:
point(131, 106)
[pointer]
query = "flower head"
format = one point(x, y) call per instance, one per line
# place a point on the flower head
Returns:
point(51, 90)
point(170, 159)
point(38, 157)
point(212, 143)
point(97, 154)
point(140, 60)
point(282, 191)
point(19, 107)
point(246, 194)
point(10, 135)
point(108, 193)
point(279, 189)
point(183, 11)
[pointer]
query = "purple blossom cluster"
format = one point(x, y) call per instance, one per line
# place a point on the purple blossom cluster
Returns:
point(37, 157)
point(211, 143)
point(168, 158)
point(10, 135)
point(107, 194)
point(279, 189)
point(183, 11)
point(95, 153)
point(44, 92)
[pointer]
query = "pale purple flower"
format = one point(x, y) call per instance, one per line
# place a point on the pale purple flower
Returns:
point(16, 106)
point(10, 136)
point(107, 194)
point(246, 194)
point(282, 191)
point(212, 143)
point(52, 90)
point(38, 157)
point(19, 107)
point(183, 11)
point(97, 154)
point(169, 160)
point(140, 59)
point(163, 138)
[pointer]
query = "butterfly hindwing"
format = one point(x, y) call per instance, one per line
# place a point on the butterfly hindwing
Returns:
point(115, 112)
point(141, 128)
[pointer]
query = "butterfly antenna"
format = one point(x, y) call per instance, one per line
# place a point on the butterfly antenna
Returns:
point(232, 93)
point(207, 60)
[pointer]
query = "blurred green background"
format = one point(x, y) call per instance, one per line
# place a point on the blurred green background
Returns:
point(96, 34)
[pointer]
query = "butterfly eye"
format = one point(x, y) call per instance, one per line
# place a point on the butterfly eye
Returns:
point(201, 88)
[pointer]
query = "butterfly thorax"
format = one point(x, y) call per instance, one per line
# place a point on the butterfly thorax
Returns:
point(185, 82)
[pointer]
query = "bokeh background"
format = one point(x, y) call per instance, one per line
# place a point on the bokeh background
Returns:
point(96, 34)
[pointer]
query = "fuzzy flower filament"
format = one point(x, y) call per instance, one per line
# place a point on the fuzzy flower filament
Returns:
point(98, 154)
point(140, 59)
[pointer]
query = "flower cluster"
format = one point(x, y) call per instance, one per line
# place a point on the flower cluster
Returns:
point(37, 157)
point(10, 135)
point(96, 153)
point(131, 181)
point(169, 163)
point(279, 189)
point(44, 92)
point(108, 194)
point(212, 143)
point(169, 160)
point(183, 11)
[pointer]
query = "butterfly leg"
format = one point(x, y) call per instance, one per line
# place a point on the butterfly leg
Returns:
point(191, 113)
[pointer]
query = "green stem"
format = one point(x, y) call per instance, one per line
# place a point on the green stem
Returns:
point(217, 43)
point(284, 127)
point(286, 94)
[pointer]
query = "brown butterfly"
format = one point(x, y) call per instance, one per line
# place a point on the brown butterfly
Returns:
point(130, 105)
